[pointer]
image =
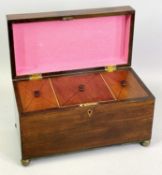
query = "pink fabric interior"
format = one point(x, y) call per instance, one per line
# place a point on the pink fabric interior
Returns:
point(53, 46)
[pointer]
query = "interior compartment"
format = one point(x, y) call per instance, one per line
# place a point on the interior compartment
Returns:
point(64, 91)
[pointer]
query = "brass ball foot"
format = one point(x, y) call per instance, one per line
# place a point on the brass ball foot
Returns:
point(25, 162)
point(145, 143)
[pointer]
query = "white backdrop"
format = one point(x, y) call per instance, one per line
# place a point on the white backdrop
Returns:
point(147, 61)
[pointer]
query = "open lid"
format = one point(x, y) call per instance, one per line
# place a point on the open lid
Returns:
point(72, 40)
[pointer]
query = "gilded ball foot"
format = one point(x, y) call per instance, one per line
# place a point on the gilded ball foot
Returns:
point(145, 143)
point(25, 162)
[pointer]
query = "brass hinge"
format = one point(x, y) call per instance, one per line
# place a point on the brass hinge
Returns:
point(110, 68)
point(35, 77)
point(88, 104)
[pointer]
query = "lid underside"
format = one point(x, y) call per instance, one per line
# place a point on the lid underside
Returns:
point(57, 45)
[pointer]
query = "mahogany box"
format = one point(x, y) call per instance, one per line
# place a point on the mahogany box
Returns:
point(73, 81)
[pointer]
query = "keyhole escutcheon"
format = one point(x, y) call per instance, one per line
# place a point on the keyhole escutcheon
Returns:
point(90, 112)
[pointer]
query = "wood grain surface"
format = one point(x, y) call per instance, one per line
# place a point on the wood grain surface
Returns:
point(73, 129)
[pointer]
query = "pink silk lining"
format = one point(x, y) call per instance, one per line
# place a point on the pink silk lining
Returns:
point(57, 45)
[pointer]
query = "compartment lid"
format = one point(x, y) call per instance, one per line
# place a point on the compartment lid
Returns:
point(71, 40)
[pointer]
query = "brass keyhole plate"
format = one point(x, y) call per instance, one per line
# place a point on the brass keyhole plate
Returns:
point(90, 112)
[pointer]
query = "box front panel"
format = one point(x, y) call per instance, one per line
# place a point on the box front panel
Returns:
point(75, 129)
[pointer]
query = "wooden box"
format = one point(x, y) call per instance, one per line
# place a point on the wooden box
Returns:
point(74, 85)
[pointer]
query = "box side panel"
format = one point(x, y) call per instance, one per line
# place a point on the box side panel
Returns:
point(17, 121)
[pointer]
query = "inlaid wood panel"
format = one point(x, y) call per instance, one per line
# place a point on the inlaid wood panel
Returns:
point(124, 84)
point(78, 89)
point(36, 95)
